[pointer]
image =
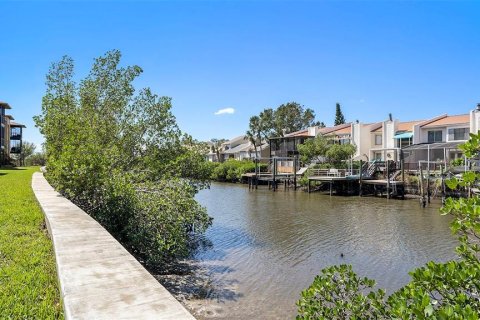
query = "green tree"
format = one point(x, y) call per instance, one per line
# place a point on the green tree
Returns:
point(260, 128)
point(449, 290)
point(288, 117)
point(28, 148)
point(313, 149)
point(337, 153)
point(121, 156)
point(339, 118)
point(36, 159)
point(322, 149)
point(216, 145)
point(291, 117)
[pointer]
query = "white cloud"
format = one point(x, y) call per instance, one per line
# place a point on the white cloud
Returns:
point(225, 111)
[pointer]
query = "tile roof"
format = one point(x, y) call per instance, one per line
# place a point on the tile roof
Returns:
point(448, 120)
point(376, 127)
point(300, 133)
point(402, 126)
point(340, 129)
point(408, 125)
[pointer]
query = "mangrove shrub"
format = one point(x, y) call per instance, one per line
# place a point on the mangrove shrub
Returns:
point(449, 290)
point(232, 170)
point(119, 154)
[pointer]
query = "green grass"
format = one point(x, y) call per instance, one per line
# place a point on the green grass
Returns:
point(28, 282)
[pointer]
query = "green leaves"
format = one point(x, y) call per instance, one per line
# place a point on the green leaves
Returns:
point(118, 153)
point(339, 118)
point(339, 294)
point(443, 291)
point(232, 170)
point(321, 148)
point(288, 117)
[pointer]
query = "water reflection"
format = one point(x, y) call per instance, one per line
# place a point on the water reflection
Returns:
point(267, 247)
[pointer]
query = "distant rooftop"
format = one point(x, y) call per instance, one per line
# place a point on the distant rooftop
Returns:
point(235, 140)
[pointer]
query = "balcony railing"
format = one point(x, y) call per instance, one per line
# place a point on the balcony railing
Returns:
point(15, 150)
point(16, 137)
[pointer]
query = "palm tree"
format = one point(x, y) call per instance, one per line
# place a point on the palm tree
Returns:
point(216, 146)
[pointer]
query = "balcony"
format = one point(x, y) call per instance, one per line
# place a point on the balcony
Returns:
point(16, 133)
point(15, 146)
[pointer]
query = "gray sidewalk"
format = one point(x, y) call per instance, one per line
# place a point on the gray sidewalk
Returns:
point(98, 278)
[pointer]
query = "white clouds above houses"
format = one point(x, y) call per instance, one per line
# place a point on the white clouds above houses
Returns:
point(225, 111)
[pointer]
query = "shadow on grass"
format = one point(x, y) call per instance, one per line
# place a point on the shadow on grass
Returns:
point(12, 168)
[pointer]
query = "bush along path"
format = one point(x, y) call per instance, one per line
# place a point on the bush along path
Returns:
point(28, 282)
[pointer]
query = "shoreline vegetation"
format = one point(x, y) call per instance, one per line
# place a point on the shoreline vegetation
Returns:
point(28, 280)
point(120, 156)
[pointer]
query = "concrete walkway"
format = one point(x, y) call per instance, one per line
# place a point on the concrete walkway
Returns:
point(98, 278)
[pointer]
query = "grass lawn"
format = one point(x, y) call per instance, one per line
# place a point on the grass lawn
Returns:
point(28, 282)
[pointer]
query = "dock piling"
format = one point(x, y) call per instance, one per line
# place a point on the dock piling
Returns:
point(388, 178)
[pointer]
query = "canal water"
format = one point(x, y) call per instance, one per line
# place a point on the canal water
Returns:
point(265, 247)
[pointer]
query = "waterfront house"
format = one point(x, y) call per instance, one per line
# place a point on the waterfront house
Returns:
point(246, 151)
point(340, 134)
point(435, 139)
point(239, 148)
point(286, 146)
point(382, 140)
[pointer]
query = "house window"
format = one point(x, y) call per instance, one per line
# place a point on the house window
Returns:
point(344, 140)
point(455, 134)
point(378, 139)
point(435, 136)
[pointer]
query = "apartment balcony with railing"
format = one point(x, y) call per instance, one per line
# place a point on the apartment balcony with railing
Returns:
point(15, 133)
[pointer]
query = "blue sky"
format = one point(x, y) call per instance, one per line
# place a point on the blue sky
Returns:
point(412, 59)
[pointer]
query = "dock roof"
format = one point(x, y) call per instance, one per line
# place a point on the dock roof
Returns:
point(432, 146)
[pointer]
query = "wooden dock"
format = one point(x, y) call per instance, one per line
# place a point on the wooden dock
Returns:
point(360, 181)
point(342, 184)
point(356, 185)
point(390, 187)
point(273, 181)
